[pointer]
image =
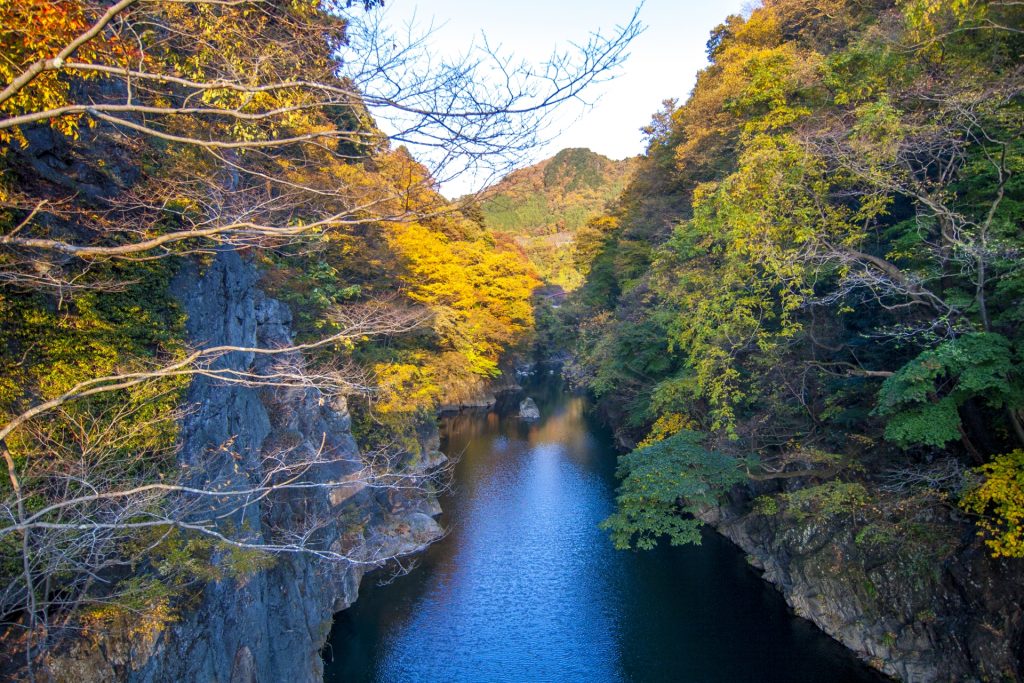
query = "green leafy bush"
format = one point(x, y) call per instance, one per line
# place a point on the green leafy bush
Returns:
point(921, 401)
point(662, 485)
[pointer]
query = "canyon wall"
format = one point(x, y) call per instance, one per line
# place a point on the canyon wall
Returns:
point(271, 624)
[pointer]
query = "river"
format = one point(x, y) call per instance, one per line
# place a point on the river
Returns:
point(526, 588)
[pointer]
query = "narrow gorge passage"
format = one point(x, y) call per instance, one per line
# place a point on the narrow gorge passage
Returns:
point(527, 588)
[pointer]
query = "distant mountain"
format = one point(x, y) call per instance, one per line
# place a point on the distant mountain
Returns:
point(542, 206)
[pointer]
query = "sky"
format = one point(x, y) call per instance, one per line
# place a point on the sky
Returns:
point(663, 63)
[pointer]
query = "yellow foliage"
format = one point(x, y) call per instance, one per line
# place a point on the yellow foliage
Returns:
point(405, 387)
point(139, 615)
point(665, 426)
point(929, 17)
point(999, 500)
point(480, 297)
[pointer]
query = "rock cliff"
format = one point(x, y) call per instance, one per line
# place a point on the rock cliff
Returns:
point(914, 615)
point(271, 625)
point(927, 604)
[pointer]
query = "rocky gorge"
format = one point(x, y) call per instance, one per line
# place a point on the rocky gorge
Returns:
point(236, 312)
point(917, 621)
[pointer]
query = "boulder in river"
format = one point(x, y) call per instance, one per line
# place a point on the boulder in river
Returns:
point(528, 410)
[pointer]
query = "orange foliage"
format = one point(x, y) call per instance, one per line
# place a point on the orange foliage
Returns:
point(33, 30)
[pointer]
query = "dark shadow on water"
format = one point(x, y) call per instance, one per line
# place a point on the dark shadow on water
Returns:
point(526, 588)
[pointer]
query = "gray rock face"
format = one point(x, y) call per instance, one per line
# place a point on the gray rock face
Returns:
point(270, 626)
point(528, 410)
point(915, 618)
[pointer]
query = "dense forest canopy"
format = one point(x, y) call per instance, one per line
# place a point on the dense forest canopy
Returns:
point(817, 269)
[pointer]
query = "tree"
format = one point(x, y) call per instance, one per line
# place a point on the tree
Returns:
point(258, 100)
point(664, 485)
point(999, 501)
point(835, 221)
point(922, 400)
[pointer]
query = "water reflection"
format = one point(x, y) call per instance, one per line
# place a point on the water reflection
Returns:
point(526, 588)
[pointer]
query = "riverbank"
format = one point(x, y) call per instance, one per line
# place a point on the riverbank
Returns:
point(929, 604)
point(909, 589)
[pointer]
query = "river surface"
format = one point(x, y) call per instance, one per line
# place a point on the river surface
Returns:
point(526, 588)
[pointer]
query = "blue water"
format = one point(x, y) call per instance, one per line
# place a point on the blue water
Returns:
point(527, 588)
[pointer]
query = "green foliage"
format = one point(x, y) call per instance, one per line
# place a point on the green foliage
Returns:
point(877, 535)
point(921, 400)
point(552, 332)
point(504, 215)
point(48, 349)
point(839, 201)
point(543, 207)
point(766, 506)
point(637, 351)
point(311, 288)
point(186, 559)
point(824, 501)
point(575, 169)
point(663, 485)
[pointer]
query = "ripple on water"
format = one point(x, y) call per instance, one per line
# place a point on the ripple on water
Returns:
point(527, 588)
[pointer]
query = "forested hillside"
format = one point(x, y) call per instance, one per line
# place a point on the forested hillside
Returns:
point(542, 207)
point(814, 286)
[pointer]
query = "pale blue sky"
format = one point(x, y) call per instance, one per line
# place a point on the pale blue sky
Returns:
point(663, 64)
